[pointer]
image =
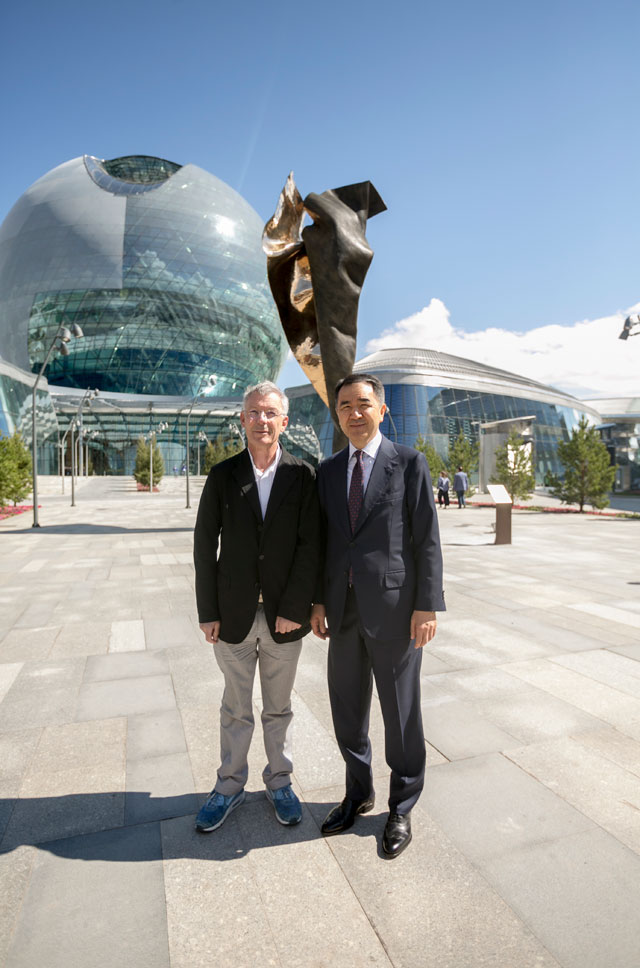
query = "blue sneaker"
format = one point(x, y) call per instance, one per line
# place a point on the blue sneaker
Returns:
point(216, 810)
point(286, 805)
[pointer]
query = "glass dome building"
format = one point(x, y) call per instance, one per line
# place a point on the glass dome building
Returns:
point(160, 265)
point(437, 395)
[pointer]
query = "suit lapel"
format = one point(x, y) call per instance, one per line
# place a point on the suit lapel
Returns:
point(284, 478)
point(337, 484)
point(243, 473)
point(381, 472)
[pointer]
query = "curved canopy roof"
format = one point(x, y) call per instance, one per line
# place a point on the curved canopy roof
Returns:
point(420, 365)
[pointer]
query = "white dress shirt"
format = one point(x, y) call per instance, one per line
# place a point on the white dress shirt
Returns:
point(369, 454)
point(264, 480)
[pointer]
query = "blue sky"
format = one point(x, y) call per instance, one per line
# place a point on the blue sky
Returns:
point(503, 137)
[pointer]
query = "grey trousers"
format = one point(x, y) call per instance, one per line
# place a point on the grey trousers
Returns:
point(277, 664)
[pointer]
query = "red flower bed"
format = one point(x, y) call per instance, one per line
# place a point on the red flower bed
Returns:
point(614, 512)
point(10, 512)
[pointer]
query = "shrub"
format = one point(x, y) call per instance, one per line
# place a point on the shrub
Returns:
point(435, 461)
point(588, 472)
point(513, 467)
point(16, 480)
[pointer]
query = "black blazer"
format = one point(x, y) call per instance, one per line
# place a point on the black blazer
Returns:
point(395, 549)
point(278, 556)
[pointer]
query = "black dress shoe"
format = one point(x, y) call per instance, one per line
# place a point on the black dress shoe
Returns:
point(397, 834)
point(341, 817)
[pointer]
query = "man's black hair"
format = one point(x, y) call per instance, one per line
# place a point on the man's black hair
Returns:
point(373, 381)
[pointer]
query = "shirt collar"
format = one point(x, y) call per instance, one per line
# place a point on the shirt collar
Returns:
point(371, 448)
point(272, 466)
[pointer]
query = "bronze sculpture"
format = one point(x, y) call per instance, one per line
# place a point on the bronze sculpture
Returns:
point(316, 274)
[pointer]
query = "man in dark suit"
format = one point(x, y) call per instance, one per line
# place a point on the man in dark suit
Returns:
point(254, 597)
point(382, 586)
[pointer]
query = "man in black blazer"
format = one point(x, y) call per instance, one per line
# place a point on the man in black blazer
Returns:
point(254, 595)
point(382, 586)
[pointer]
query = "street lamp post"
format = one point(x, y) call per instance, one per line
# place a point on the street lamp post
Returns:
point(631, 322)
point(63, 335)
point(73, 464)
point(152, 435)
point(62, 449)
point(150, 462)
point(88, 437)
point(76, 459)
point(211, 380)
point(201, 436)
point(80, 438)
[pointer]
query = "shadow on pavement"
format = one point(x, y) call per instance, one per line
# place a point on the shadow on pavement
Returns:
point(123, 827)
point(93, 529)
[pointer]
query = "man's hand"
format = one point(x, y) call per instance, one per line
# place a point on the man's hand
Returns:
point(423, 627)
point(211, 631)
point(319, 622)
point(284, 625)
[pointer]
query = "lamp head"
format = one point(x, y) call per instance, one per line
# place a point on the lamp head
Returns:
point(629, 323)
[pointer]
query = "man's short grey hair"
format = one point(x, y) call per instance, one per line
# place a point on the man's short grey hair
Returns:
point(263, 389)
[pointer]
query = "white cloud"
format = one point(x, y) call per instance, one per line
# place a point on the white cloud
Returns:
point(586, 359)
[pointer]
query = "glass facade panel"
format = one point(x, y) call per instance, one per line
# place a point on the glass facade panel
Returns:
point(15, 415)
point(442, 413)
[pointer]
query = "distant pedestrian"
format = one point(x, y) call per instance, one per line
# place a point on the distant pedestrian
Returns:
point(460, 485)
point(443, 489)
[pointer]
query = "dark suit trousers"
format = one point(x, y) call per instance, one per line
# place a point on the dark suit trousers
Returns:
point(354, 659)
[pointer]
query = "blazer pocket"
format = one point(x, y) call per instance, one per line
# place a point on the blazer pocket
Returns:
point(394, 579)
point(390, 497)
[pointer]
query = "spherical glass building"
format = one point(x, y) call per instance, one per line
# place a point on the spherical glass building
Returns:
point(161, 266)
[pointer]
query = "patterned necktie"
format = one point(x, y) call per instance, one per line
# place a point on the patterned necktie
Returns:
point(355, 491)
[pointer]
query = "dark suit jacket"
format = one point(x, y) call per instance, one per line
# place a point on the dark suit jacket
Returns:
point(395, 549)
point(278, 556)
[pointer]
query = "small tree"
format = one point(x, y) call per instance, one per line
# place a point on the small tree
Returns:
point(513, 467)
point(588, 472)
point(5, 466)
point(435, 461)
point(16, 479)
point(158, 463)
point(234, 445)
point(141, 469)
point(462, 454)
point(220, 449)
point(6, 471)
point(214, 453)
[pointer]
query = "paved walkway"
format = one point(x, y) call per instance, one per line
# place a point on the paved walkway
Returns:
point(526, 840)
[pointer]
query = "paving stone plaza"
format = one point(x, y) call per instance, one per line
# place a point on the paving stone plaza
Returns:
point(526, 848)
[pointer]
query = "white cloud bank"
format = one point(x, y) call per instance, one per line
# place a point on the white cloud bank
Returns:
point(586, 359)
